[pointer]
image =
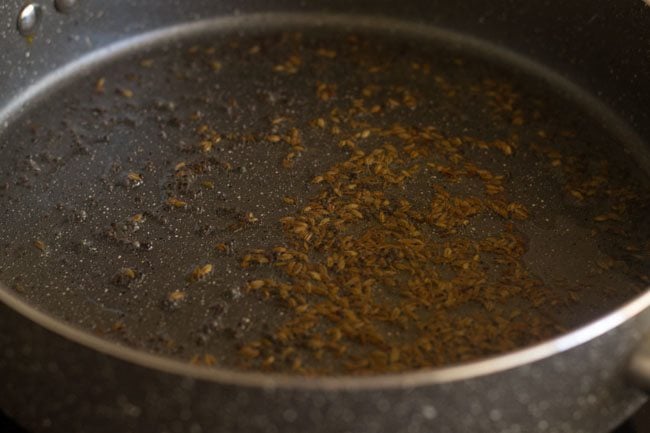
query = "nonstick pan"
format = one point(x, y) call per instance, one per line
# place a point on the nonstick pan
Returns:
point(330, 217)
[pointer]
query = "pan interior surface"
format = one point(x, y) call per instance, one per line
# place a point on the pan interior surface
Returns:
point(319, 200)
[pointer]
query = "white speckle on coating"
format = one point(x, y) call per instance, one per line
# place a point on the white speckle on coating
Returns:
point(495, 415)
point(429, 412)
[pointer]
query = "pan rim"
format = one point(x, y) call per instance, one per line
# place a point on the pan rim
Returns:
point(433, 376)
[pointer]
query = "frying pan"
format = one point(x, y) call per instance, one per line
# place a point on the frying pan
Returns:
point(68, 143)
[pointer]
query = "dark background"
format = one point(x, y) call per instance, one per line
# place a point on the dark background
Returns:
point(638, 423)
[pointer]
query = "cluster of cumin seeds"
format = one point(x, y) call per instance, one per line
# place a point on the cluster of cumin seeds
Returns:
point(376, 282)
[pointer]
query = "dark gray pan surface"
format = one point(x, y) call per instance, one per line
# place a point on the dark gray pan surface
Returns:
point(65, 167)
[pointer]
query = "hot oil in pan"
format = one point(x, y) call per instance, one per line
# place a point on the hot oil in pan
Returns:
point(319, 204)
